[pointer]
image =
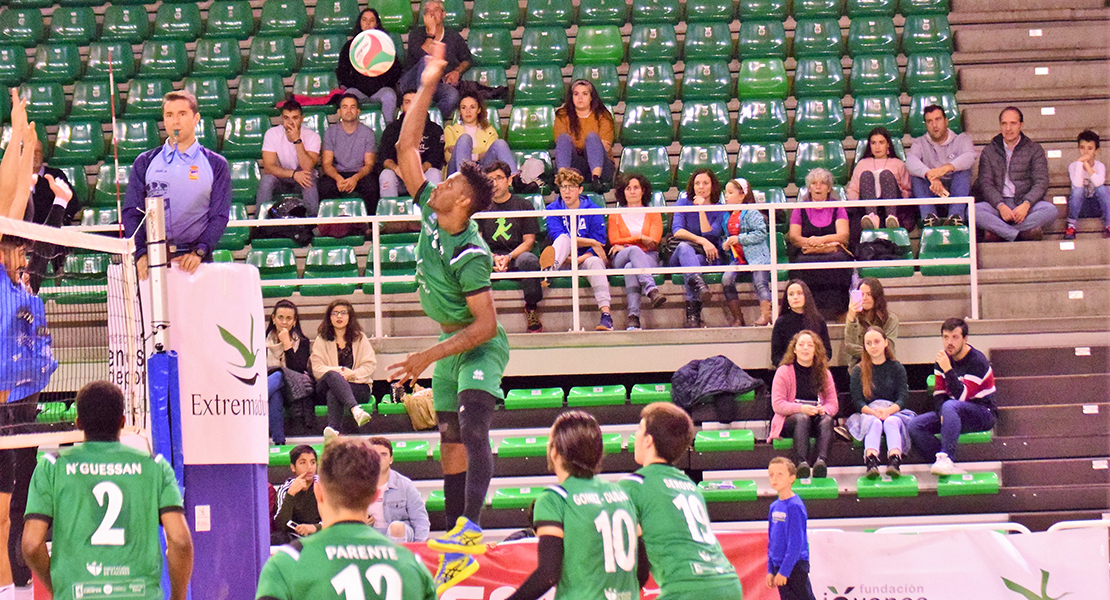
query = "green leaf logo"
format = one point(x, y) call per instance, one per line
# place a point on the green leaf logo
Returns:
point(249, 356)
point(1029, 594)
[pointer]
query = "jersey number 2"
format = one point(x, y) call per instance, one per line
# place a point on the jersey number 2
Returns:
point(619, 540)
point(348, 583)
point(697, 518)
point(106, 535)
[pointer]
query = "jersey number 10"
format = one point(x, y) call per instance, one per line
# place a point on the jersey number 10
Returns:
point(619, 539)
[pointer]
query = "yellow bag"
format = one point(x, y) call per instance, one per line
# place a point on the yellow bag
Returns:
point(419, 405)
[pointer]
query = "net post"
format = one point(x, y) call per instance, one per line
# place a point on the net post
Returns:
point(157, 263)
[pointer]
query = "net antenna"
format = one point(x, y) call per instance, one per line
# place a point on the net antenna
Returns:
point(114, 93)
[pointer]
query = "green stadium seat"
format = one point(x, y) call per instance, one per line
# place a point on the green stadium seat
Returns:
point(21, 27)
point(78, 181)
point(926, 33)
point(57, 62)
point(397, 15)
point(454, 15)
point(243, 136)
point(597, 395)
point(386, 406)
point(827, 154)
point(646, 393)
point(516, 498)
point(762, 119)
point(967, 484)
point(872, 35)
point(762, 38)
point(648, 125)
point(887, 487)
point(321, 51)
point(544, 46)
point(877, 111)
point(824, 488)
point(899, 236)
point(707, 80)
point(135, 136)
point(944, 100)
point(818, 37)
point(397, 259)
point(538, 84)
point(435, 501)
point(531, 127)
point(944, 242)
point(504, 14)
point(104, 194)
point(930, 72)
point(728, 491)
point(922, 7)
point(819, 76)
point(492, 46)
point(89, 272)
point(231, 19)
point(177, 22)
point(237, 235)
point(704, 123)
point(535, 398)
point(75, 24)
point(549, 12)
point(217, 56)
point(653, 42)
point(604, 78)
point(708, 41)
point(762, 9)
point(602, 12)
point(727, 440)
point(78, 142)
point(410, 450)
point(30, 3)
point(804, 9)
point(98, 217)
point(651, 162)
point(691, 158)
point(144, 96)
point(118, 54)
point(206, 133)
point(877, 74)
point(649, 82)
point(284, 17)
point(327, 263)
point(316, 84)
point(520, 447)
point(275, 263)
point(260, 93)
point(127, 23)
point(857, 8)
point(222, 255)
point(40, 132)
point(316, 118)
point(14, 68)
point(164, 58)
point(272, 54)
point(46, 101)
point(598, 44)
point(762, 78)
point(213, 97)
point(763, 164)
point(819, 119)
point(656, 11)
point(244, 179)
point(975, 437)
point(334, 16)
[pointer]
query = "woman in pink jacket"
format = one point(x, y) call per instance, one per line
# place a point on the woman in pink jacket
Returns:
point(879, 175)
point(803, 397)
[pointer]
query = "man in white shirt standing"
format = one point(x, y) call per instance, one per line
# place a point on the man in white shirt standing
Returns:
point(289, 156)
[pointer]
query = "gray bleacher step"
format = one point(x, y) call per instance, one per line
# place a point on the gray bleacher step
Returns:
point(1056, 360)
point(1049, 253)
point(1071, 471)
point(847, 477)
point(1017, 80)
point(1039, 41)
point(1053, 389)
point(1063, 299)
point(1056, 120)
point(1054, 421)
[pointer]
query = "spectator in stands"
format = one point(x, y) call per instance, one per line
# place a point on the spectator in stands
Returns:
point(746, 242)
point(343, 364)
point(398, 510)
point(879, 175)
point(963, 397)
point(431, 151)
point(289, 156)
point(196, 185)
point(879, 391)
point(1013, 181)
point(511, 240)
point(287, 352)
point(634, 242)
point(365, 87)
point(867, 308)
point(471, 137)
point(348, 158)
point(584, 135)
point(457, 54)
point(803, 397)
point(591, 235)
point(821, 235)
point(940, 164)
point(803, 315)
point(696, 239)
point(297, 513)
point(1088, 180)
point(50, 185)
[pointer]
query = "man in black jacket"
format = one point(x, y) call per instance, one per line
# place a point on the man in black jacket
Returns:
point(1013, 181)
point(297, 513)
point(431, 152)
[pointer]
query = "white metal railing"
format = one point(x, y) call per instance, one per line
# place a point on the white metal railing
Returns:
point(1006, 526)
point(1092, 524)
point(776, 266)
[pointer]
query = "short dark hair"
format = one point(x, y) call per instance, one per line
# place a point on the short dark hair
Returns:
point(349, 472)
point(670, 428)
point(346, 96)
point(622, 183)
point(407, 92)
point(499, 165)
point(576, 437)
point(291, 105)
point(782, 460)
point(1021, 117)
point(381, 441)
point(295, 453)
point(100, 407)
point(953, 324)
point(1088, 136)
point(481, 188)
point(933, 108)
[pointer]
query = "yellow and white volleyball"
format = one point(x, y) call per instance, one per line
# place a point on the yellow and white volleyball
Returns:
point(373, 52)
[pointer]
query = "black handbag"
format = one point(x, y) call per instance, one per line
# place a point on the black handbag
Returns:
point(298, 386)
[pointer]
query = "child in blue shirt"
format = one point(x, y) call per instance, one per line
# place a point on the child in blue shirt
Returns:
point(787, 544)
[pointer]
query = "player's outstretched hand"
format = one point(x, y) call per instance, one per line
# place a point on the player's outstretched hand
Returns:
point(59, 187)
point(434, 66)
point(409, 370)
point(19, 109)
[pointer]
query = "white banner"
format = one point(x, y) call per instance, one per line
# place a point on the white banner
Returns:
point(960, 565)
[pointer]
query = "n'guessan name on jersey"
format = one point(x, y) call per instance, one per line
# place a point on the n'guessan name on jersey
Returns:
point(361, 552)
point(84, 468)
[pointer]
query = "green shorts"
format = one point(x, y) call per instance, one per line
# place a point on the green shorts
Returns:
point(479, 368)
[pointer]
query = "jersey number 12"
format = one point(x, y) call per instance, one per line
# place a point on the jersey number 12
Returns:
point(619, 540)
point(348, 583)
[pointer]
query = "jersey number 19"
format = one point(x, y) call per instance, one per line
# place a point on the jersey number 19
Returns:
point(697, 518)
point(618, 536)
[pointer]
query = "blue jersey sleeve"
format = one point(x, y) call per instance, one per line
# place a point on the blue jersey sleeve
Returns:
point(219, 203)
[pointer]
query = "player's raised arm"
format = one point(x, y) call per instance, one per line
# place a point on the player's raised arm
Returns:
point(482, 330)
point(412, 128)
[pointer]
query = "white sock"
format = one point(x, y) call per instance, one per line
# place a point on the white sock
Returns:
point(7, 592)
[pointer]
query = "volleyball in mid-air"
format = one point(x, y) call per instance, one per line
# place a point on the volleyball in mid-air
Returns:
point(373, 52)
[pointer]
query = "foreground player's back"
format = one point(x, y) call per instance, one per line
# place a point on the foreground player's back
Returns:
point(105, 501)
point(347, 560)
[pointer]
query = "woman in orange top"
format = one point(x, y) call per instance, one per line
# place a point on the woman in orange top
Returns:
point(634, 242)
point(584, 135)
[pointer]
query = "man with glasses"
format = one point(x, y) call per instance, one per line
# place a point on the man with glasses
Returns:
point(511, 240)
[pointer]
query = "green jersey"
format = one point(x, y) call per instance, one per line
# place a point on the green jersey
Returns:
point(683, 552)
point(105, 501)
point(599, 539)
point(346, 561)
point(449, 268)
